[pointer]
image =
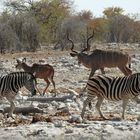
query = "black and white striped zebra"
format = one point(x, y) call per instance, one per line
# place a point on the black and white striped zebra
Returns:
point(11, 83)
point(112, 88)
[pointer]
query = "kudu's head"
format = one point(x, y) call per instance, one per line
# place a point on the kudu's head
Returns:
point(81, 56)
point(20, 63)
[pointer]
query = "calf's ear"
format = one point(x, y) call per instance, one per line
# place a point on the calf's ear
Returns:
point(24, 59)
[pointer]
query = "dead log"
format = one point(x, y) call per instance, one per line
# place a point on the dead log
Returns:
point(50, 99)
point(23, 110)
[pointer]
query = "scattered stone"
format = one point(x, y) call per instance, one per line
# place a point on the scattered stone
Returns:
point(138, 118)
point(75, 119)
point(43, 105)
point(58, 124)
point(61, 105)
point(54, 103)
point(68, 130)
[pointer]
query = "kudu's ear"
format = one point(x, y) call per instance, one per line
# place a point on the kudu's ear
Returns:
point(73, 54)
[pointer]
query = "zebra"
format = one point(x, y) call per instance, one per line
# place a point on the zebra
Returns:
point(112, 88)
point(11, 83)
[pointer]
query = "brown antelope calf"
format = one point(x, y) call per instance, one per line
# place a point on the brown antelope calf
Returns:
point(42, 71)
point(99, 59)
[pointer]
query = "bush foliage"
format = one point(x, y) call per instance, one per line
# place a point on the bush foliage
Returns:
point(26, 24)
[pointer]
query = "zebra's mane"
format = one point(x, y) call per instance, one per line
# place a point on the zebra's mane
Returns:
point(14, 73)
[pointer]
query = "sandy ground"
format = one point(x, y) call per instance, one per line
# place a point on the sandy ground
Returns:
point(61, 120)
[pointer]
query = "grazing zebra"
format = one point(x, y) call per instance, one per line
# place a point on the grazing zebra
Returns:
point(114, 89)
point(11, 83)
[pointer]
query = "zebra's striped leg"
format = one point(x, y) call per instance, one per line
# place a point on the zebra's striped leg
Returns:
point(98, 105)
point(124, 107)
point(86, 102)
point(12, 108)
point(90, 105)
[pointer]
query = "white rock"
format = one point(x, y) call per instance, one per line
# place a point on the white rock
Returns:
point(58, 123)
point(54, 103)
point(75, 118)
point(68, 130)
point(61, 105)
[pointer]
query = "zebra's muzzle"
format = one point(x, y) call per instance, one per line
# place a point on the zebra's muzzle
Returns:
point(34, 93)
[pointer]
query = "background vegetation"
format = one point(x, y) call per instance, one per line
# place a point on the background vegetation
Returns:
point(26, 25)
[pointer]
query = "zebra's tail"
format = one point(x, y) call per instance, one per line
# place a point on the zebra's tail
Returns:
point(129, 65)
point(36, 83)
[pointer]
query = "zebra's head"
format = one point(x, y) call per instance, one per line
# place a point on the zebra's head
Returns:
point(31, 85)
point(20, 63)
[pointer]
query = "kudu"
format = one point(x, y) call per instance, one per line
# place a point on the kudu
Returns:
point(42, 71)
point(99, 59)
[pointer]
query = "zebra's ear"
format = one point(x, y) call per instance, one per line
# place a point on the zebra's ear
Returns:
point(34, 74)
point(18, 61)
point(24, 59)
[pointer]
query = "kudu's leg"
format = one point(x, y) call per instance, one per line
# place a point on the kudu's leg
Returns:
point(129, 72)
point(48, 83)
point(102, 70)
point(123, 70)
point(91, 74)
point(52, 81)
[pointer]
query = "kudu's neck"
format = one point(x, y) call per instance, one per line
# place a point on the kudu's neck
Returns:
point(27, 68)
point(84, 59)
